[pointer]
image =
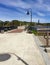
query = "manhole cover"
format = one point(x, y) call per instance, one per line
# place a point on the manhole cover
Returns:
point(4, 57)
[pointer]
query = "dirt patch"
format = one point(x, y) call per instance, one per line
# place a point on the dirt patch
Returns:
point(16, 31)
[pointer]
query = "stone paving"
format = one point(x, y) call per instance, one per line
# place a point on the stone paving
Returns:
point(19, 49)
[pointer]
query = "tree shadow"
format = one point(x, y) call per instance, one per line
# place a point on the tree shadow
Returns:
point(4, 57)
point(47, 50)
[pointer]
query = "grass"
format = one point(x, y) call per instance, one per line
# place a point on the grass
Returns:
point(34, 32)
point(38, 33)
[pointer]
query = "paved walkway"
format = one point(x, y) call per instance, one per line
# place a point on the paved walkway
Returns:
point(19, 49)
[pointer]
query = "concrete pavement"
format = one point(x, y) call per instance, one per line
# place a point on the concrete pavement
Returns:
point(22, 49)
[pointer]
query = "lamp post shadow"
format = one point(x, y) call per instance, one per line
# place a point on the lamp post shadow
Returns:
point(19, 58)
point(6, 56)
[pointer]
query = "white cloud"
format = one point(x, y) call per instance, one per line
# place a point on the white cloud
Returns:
point(40, 1)
point(40, 14)
point(30, 4)
point(47, 7)
point(24, 4)
point(16, 3)
point(36, 7)
point(43, 20)
point(20, 4)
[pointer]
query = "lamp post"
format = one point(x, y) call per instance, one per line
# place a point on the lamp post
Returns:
point(29, 12)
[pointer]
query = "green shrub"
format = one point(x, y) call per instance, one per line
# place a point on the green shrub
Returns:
point(35, 32)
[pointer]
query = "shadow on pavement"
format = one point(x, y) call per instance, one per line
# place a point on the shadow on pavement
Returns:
point(47, 50)
point(44, 46)
point(4, 57)
point(19, 58)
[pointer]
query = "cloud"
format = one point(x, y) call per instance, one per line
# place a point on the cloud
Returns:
point(16, 3)
point(40, 1)
point(40, 8)
point(40, 14)
point(43, 20)
point(27, 4)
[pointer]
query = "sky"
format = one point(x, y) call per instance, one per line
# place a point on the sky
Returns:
point(17, 9)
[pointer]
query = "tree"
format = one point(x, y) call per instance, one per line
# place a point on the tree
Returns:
point(15, 23)
point(6, 23)
point(1, 23)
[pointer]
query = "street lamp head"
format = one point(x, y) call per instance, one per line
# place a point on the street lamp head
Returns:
point(27, 12)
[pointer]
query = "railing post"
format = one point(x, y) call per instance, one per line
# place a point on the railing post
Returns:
point(47, 38)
